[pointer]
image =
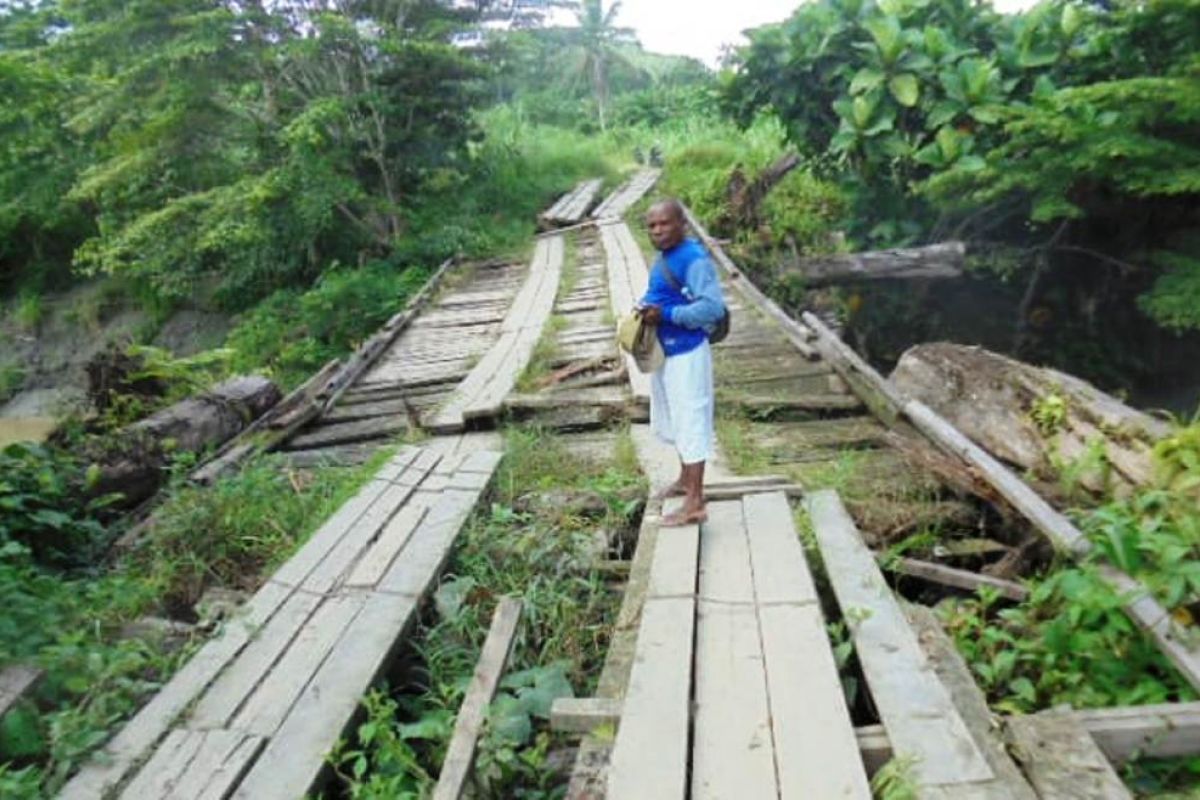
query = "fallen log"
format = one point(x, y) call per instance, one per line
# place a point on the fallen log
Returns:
point(942, 260)
point(134, 463)
point(1035, 418)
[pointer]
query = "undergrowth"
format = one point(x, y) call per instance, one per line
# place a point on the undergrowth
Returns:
point(536, 543)
point(1071, 641)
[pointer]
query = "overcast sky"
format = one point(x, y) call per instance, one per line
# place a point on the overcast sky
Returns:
point(697, 28)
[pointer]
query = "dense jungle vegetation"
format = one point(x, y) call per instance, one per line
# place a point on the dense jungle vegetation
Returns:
point(301, 167)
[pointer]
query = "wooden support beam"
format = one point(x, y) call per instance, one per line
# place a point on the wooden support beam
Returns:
point(1061, 760)
point(949, 576)
point(460, 755)
point(796, 333)
point(584, 714)
point(1007, 782)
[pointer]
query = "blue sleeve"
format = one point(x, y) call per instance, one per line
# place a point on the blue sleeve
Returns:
point(703, 290)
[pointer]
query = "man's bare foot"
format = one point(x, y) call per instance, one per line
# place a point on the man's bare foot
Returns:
point(681, 518)
point(674, 490)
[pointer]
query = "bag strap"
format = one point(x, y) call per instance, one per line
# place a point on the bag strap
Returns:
point(670, 276)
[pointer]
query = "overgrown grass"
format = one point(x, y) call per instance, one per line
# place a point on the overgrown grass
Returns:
point(71, 623)
point(533, 544)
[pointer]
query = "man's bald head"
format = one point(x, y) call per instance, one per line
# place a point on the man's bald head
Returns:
point(665, 223)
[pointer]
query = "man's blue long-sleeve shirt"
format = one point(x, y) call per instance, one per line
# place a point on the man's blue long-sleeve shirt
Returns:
point(691, 311)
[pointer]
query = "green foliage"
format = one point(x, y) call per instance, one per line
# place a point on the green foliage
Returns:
point(12, 378)
point(1174, 299)
point(70, 624)
point(45, 508)
point(251, 521)
point(293, 333)
point(29, 311)
point(1072, 642)
point(802, 209)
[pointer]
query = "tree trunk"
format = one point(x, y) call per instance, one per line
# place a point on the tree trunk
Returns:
point(1040, 420)
point(942, 260)
point(135, 463)
point(743, 198)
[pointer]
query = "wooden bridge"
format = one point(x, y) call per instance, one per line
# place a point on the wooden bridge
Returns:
point(720, 679)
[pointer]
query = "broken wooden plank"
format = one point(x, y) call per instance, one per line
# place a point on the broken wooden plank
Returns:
point(483, 390)
point(1139, 604)
point(816, 752)
point(1164, 730)
point(584, 714)
point(949, 576)
point(627, 194)
point(1061, 760)
point(460, 754)
point(888, 403)
point(952, 671)
point(733, 751)
point(915, 706)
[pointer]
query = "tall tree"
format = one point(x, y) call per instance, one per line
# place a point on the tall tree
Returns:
point(598, 39)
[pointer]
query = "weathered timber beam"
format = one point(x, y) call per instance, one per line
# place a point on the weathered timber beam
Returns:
point(943, 260)
point(796, 333)
point(584, 714)
point(1167, 730)
point(460, 755)
point(949, 576)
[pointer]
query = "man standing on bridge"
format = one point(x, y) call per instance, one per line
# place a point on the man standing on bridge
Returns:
point(684, 299)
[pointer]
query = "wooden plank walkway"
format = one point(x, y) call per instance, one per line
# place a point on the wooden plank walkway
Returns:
point(423, 364)
point(627, 194)
point(482, 392)
point(770, 717)
point(627, 278)
point(255, 711)
point(574, 205)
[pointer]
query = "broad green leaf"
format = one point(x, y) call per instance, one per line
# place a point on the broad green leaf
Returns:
point(971, 163)
point(905, 88)
point(948, 143)
point(1072, 19)
point(865, 80)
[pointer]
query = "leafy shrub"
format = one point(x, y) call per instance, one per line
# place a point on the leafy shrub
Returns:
point(293, 333)
point(44, 507)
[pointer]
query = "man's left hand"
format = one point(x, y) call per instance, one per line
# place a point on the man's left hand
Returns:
point(652, 314)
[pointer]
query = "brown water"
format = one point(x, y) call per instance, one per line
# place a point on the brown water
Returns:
point(24, 429)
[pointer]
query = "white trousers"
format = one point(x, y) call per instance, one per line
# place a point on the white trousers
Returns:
point(681, 404)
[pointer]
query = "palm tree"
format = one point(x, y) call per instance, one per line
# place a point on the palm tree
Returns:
point(598, 38)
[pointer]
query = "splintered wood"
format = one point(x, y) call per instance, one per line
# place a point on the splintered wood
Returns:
point(272, 692)
point(627, 194)
point(482, 392)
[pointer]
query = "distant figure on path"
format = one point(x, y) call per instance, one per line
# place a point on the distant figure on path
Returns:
point(686, 304)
